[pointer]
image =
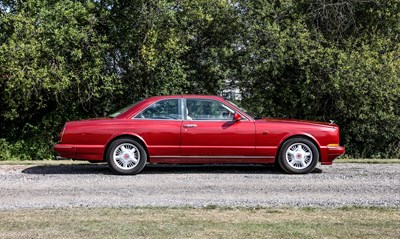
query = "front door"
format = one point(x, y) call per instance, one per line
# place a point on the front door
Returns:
point(160, 126)
point(209, 133)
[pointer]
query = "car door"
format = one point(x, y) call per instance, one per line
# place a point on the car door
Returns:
point(159, 125)
point(209, 133)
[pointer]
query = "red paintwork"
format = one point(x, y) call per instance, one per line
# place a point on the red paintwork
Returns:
point(169, 141)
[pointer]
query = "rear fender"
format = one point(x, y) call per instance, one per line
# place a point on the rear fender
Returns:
point(121, 135)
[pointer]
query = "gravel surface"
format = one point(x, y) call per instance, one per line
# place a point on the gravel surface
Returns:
point(93, 185)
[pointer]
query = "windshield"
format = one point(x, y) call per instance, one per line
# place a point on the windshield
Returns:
point(123, 110)
point(251, 114)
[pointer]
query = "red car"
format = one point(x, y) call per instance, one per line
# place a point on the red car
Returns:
point(197, 129)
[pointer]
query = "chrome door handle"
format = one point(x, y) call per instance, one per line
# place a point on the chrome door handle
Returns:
point(189, 125)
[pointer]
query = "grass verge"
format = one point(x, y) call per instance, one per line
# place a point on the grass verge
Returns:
point(43, 162)
point(368, 161)
point(209, 222)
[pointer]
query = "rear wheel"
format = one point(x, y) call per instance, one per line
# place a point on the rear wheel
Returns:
point(298, 155)
point(126, 156)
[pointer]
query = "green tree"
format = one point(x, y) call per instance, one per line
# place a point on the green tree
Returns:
point(306, 59)
point(51, 69)
point(298, 67)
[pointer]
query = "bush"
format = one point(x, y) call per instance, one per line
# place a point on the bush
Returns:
point(318, 60)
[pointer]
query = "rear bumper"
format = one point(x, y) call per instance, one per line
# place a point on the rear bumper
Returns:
point(65, 150)
point(58, 157)
point(82, 152)
point(332, 153)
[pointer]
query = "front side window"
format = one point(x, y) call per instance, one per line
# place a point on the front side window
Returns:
point(203, 109)
point(163, 109)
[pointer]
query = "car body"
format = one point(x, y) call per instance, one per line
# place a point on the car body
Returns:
point(197, 129)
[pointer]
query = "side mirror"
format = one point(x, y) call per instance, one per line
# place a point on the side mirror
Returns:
point(236, 117)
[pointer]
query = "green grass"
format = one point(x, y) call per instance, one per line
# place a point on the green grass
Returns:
point(349, 222)
point(43, 162)
point(368, 161)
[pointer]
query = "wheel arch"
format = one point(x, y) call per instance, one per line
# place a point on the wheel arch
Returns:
point(126, 135)
point(300, 135)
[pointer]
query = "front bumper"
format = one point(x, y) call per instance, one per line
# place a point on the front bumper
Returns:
point(332, 154)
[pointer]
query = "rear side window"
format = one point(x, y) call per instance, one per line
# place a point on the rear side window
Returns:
point(163, 109)
point(123, 110)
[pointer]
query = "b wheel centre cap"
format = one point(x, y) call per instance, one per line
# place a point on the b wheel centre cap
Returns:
point(126, 156)
point(299, 155)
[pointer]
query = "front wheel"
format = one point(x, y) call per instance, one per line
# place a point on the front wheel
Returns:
point(126, 156)
point(298, 155)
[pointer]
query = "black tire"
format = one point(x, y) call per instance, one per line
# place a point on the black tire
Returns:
point(298, 156)
point(122, 164)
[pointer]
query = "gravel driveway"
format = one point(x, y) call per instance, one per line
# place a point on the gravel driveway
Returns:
point(92, 185)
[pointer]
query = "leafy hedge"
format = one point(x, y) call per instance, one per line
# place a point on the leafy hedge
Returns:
point(307, 59)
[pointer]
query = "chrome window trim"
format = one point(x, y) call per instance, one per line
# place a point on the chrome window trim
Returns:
point(183, 107)
point(243, 119)
point(155, 119)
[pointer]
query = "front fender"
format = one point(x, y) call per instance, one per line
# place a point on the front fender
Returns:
point(323, 154)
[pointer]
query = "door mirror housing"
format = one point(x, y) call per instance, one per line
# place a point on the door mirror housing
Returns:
point(236, 117)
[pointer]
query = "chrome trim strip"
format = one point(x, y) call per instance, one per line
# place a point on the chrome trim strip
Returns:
point(183, 113)
point(156, 119)
point(245, 119)
point(215, 147)
point(164, 156)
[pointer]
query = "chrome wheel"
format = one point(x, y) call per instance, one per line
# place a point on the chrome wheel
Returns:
point(299, 156)
point(126, 156)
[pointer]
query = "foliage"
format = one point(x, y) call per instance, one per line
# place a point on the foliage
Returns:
point(319, 60)
point(298, 70)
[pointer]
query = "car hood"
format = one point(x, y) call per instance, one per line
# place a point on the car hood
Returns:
point(294, 121)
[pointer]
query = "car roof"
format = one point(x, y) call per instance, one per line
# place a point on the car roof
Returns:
point(147, 101)
point(185, 96)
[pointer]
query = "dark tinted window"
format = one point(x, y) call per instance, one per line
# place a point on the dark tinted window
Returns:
point(163, 109)
point(203, 109)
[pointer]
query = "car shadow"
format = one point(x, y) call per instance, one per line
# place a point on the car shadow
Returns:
point(103, 169)
point(69, 169)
